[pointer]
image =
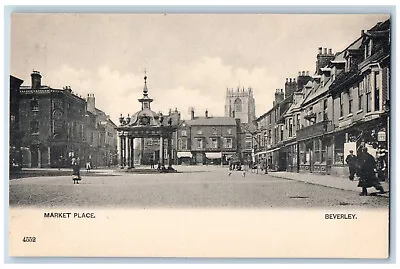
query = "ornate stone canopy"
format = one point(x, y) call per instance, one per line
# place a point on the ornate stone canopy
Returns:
point(145, 124)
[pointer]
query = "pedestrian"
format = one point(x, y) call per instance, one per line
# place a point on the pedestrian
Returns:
point(351, 161)
point(367, 173)
point(151, 163)
point(88, 166)
point(76, 177)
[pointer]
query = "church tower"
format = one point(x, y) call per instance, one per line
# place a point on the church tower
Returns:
point(240, 104)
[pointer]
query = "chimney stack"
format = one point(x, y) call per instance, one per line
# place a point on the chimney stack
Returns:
point(325, 51)
point(206, 113)
point(192, 114)
point(91, 103)
point(330, 51)
point(36, 80)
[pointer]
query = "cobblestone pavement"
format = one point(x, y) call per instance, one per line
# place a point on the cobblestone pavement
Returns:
point(200, 187)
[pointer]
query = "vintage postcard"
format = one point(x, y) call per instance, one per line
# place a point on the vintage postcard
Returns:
point(200, 135)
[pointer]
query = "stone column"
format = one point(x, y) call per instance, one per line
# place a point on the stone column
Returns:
point(132, 164)
point(128, 152)
point(162, 162)
point(333, 150)
point(48, 156)
point(169, 149)
point(39, 157)
point(320, 149)
point(121, 152)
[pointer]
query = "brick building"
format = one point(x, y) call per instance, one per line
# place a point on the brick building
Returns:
point(55, 126)
point(207, 140)
point(343, 107)
point(15, 155)
point(100, 136)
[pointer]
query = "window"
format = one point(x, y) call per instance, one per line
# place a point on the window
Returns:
point(184, 144)
point(350, 102)
point(199, 143)
point(183, 133)
point(270, 118)
point(214, 143)
point(341, 105)
point(269, 137)
point(229, 143)
point(323, 151)
point(82, 131)
point(325, 110)
point(91, 138)
point(214, 131)
point(149, 142)
point(368, 48)
point(368, 93)
point(290, 127)
point(230, 131)
point(376, 90)
point(360, 95)
point(298, 124)
point(281, 132)
point(339, 149)
point(317, 156)
point(35, 104)
point(199, 131)
point(34, 127)
point(238, 105)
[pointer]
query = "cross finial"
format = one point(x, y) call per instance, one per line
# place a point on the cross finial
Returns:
point(145, 75)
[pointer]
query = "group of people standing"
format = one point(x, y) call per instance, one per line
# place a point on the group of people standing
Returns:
point(365, 167)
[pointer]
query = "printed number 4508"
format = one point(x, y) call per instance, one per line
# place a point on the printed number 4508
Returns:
point(29, 239)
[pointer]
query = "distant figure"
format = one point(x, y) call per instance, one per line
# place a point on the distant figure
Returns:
point(76, 177)
point(88, 166)
point(351, 160)
point(367, 173)
point(151, 163)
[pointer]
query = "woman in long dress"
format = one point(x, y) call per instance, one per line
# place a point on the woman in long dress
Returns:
point(76, 177)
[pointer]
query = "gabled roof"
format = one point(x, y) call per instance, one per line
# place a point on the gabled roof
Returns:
point(212, 121)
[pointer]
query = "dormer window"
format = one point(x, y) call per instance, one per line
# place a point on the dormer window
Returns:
point(368, 48)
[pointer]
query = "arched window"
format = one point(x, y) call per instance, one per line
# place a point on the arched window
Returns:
point(238, 105)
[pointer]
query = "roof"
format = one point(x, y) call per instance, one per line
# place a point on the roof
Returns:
point(317, 90)
point(212, 121)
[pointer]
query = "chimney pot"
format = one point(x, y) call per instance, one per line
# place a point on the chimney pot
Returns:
point(325, 51)
point(290, 80)
point(307, 73)
point(362, 32)
point(330, 51)
point(303, 73)
point(287, 79)
point(320, 50)
point(299, 73)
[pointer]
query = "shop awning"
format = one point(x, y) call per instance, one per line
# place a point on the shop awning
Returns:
point(213, 155)
point(184, 154)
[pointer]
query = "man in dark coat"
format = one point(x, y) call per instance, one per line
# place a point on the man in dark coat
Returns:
point(367, 173)
point(351, 160)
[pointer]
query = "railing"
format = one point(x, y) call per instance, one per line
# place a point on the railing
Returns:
point(316, 129)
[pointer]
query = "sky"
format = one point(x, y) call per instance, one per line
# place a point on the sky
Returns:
point(190, 60)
